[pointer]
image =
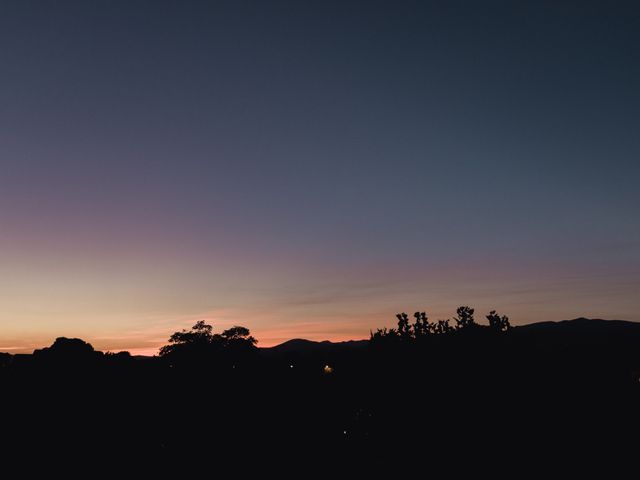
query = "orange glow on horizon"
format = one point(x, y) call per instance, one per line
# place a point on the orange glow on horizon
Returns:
point(139, 343)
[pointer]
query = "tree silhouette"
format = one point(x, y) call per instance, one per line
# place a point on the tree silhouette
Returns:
point(238, 336)
point(68, 351)
point(384, 335)
point(442, 327)
point(200, 337)
point(238, 344)
point(404, 327)
point(464, 318)
point(497, 322)
point(422, 327)
point(201, 344)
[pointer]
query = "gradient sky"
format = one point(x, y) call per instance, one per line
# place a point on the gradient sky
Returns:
point(309, 169)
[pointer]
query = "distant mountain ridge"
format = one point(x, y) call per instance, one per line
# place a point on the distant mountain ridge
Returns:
point(579, 327)
point(582, 331)
point(303, 345)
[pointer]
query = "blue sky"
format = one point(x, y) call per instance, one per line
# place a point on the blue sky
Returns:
point(311, 168)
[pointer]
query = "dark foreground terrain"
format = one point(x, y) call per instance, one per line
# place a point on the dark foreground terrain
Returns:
point(538, 397)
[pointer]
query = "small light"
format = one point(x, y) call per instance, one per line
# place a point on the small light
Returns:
point(327, 369)
point(344, 432)
point(290, 366)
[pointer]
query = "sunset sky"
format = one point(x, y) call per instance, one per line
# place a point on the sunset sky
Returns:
point(309, 169)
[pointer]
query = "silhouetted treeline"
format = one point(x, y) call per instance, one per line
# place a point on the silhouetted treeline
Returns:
point(423, 393)
point(422, 328)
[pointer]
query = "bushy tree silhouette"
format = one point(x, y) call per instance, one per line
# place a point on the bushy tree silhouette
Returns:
point(442, 327)
point(464, 318)
point(199, 339)
point(404, 327)
point(238, 345)
point(497, 322)
point(238, 336)
point(67, 352)
point(384, 334)
point(201, 344)
point(422, 327)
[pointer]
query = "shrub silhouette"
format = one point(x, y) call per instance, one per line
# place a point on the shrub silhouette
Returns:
point(422, 327)
point(442, 327)
point(384, 335)
point(464, 318)
point(497, 322)
point(404, 327)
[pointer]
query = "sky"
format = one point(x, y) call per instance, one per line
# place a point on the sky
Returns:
point(311, 168)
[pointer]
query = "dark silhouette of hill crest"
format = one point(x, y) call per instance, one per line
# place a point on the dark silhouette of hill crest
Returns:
point(302, 345)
